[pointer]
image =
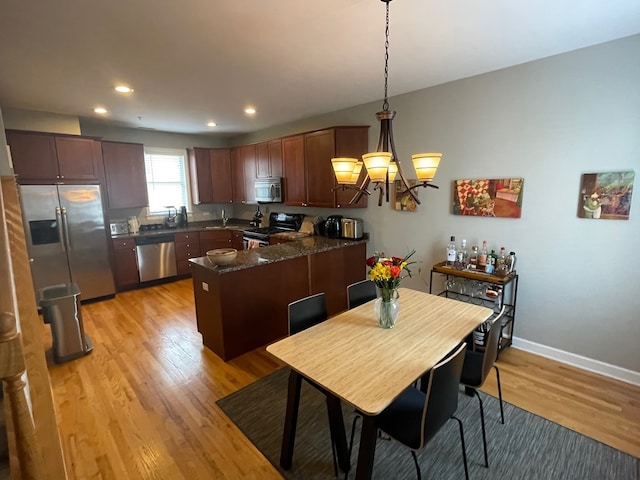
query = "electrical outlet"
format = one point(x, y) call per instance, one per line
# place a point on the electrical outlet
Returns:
point(205, 286)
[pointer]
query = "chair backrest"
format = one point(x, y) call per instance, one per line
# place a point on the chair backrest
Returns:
point(441, 398)
point(361, 292)
point(492, 343)
point(307, 312)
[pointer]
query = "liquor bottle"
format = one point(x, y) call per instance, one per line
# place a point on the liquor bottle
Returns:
point(451, 252)
point(473, 258)
point(462, 256)
point(501, 263)
point(482, 258)
point(492, 259)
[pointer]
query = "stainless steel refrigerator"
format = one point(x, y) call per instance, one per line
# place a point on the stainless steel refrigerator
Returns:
point(66, 238)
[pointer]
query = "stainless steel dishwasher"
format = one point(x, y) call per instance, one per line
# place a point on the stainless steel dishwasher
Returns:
point(156, 256)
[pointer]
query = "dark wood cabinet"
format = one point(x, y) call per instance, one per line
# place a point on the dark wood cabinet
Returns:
point(125, 176)
point(295, 180)
point(126, 265)
point(212, 239)
point(210, 170)
point(47, 158)
point(201, 178)
point(236, 239)
point(243, 173)
point(220, 175)
point(269, 159)
point(309, 177)
point(187, 246)
point(237, 176)
point(319, 148)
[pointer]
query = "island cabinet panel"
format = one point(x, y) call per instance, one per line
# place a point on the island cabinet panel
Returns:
point(333, 271)
point(233, 319)
point(126, 264)
point(187, 246)
point(240, 309)
point(48, 158)
point(125, 174)
point(212, 239)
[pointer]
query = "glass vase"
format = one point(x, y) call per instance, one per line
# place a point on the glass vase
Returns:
point(387, 308)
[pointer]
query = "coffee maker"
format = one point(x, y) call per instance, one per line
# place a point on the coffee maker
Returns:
point(181, 218)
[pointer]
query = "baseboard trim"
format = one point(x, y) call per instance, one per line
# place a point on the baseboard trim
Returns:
point(595, 366)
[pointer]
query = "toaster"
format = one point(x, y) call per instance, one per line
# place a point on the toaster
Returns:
point(352, 228)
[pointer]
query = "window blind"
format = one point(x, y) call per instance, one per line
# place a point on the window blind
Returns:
point(166, 179)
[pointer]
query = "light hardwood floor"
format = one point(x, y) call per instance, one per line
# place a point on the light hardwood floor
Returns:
point(142, 405)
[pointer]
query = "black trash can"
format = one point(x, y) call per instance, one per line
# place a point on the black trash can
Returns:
point(61, 309)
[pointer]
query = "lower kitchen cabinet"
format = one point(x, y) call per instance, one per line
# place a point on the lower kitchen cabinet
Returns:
point(212, 239)
point(187, 246)
point(236, 239)
point(126, 265)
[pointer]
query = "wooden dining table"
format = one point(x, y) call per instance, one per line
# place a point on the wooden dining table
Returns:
point(357, 362)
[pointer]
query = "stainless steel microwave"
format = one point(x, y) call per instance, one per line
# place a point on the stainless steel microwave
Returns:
point(269, 190)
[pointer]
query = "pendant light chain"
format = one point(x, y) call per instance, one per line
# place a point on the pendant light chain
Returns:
point(385, 104)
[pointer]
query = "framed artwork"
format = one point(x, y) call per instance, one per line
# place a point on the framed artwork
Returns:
point(488, 197)
point(404, 201)
point(606, 195)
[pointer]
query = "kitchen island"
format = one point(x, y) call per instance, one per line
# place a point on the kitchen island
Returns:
point(242, 306)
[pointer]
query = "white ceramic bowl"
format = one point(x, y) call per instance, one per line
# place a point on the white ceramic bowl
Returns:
point(222, 256)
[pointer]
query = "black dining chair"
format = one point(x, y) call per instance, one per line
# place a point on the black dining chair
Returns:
point(305, 313)
point(415, 417)
point(360, 292)
point(476, 368)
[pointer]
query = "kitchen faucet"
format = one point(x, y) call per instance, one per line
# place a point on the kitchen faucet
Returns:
point(224, 219)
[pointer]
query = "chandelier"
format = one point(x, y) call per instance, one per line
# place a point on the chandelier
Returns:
point(383, 165)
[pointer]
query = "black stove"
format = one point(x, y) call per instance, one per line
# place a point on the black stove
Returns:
point(278, 222)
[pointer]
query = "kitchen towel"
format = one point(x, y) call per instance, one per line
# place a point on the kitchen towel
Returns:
point(253, 244)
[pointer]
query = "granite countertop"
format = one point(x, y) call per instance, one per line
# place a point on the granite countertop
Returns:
point(277, 253)
point(193, 227)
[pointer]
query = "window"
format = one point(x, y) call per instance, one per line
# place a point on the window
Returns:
point(166, 179)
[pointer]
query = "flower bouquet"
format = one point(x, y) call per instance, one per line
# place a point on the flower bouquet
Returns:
point(386, 273)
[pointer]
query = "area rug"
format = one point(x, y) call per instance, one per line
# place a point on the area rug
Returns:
point(525, 447)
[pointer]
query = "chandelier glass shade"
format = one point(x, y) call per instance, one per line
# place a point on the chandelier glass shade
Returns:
point(383, 165)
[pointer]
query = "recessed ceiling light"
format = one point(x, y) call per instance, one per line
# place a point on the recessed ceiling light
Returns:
point(100, 110)
point(250, 111)
point(212, 124)
point(123, 89)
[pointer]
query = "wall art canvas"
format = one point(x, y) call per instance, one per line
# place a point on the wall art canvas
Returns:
point(402, 199)
point(606, 195)
point(488, 197)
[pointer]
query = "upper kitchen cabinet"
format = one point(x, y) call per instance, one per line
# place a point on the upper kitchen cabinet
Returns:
point(309, 177)
point(221, 173)
point(243, 173)
point(48, 158)
point(201, 178)
point(125, 175)
point(269, 159)
point(210, 173)
point(295, 180)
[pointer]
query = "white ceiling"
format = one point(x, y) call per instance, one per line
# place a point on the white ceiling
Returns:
point(192, 61)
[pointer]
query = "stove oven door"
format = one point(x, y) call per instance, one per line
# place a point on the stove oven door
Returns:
point(251, 241)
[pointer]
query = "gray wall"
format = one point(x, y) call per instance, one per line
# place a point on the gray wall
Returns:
point(5, 169)
point(548, 121)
